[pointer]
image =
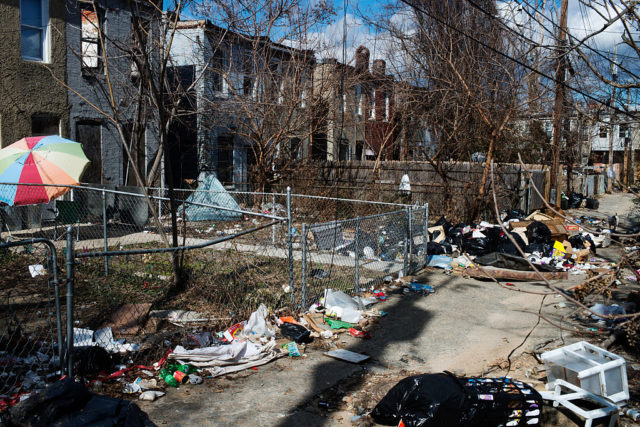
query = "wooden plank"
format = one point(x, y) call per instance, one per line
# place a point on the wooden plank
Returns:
point(503, 273)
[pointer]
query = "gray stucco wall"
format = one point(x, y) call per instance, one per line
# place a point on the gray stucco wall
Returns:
point(29, 88)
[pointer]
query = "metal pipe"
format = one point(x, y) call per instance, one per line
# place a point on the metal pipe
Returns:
point(410, 254)
point(173, 249)
point(70, 301)
point(405, 245)
point(290, 245)
point(104, 230)
point(273, 212)
point(425, 236)
point(56, 284)
point(357, 243)
point(304, 266)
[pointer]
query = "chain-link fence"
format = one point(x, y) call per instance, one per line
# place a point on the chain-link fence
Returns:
point(149, 271)
point(30, 341)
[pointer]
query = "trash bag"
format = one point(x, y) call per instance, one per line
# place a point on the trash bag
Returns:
point(456, 234)
point(506, 246)
point(257, 323)
point(297, 333)
point(90, 361)
point(511, 262)
point(423, 400)
point(513, 214)
point(575, 200)
point(446, 225)
point(434, 248)
point(544, 249)
point(444, 400)
point(537, 232)
point(578, 242)
point(67, 403)
point(477, 246)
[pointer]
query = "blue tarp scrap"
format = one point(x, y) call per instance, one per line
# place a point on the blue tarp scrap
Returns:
point(211, 192)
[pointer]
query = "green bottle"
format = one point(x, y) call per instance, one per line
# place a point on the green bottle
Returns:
point(187, 369)
point(167, 376)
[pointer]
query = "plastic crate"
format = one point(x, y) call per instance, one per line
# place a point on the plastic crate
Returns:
point(590, 368)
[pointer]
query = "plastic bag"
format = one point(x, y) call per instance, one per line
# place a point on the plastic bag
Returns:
point(339, 299)
point(480, 246)
point(423, 400)
point(435, 249)
point(257, 324)
point(544, 249)
point(297, 333)
point(446, 225)
point(513, 214)
point(578, 242)
point(575, 200)
point(537, 232)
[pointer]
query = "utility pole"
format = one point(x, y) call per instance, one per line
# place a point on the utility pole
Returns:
point(612, 116)
point(627, 133)
point(558, 107)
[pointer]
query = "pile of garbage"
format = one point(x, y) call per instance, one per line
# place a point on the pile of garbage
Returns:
point(548, 241)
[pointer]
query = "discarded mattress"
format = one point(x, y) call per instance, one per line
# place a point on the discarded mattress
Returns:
point(224, 359)
point(508, 261)
point(211, 192)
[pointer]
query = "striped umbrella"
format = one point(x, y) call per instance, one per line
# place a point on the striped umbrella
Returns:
point(39, 160)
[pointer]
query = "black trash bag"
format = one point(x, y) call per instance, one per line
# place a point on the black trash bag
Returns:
point(575, 200)
point(506, 246)
point(297, 333)
point(537, 232)
point(434, 248)
point(443, 400)
point(91, 361)
point(511, 262)
point(446, 225)
point(477, 246)
point(514, 214)
point(578, 242)
point(424, 400)
point(544, 249)
point(456, 234)
point(67, 403)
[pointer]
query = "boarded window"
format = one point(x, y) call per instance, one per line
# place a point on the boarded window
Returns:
point(603, 132)
point(90, 39)
point(343, 149)
point(89, 135)
point(319, 147)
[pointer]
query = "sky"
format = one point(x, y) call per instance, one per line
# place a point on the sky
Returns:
point(581, 21)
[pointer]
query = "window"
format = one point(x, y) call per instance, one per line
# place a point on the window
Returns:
point(90, 39)
point(386, 105)
point(45, 124)
point(343, 149)
point(603, 132)
point(247, 86)
point(624, 130)
point(34, 26)
point(217, 71)
point(225, 159)
point(294, 148)
point(372, 104)
point(359, 150)
point(358, 99)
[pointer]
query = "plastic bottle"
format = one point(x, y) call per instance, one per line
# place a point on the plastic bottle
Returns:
point(167, 376)
point(186, 369)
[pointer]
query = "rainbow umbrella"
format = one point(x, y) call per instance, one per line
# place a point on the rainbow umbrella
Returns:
point(39, 160)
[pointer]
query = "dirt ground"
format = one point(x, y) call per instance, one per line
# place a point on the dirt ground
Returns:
point(468, 327)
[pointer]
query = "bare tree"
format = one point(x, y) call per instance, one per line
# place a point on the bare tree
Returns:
point(263, 60)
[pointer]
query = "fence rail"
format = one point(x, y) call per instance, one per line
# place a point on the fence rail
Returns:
point(236, 250)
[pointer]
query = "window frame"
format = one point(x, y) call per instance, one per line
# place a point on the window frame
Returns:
point(86, 69)
point(44, 29)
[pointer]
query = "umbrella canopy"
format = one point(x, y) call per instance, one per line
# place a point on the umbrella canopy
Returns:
point(39, 160)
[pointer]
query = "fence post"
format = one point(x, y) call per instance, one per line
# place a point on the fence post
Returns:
point(70, 275)
point(304, 266)
point(56, 292)
point(357, 242)
point(273, 212)
point(104, 231)
point(410, 239)
point(406, 241)
point(425, 236)
point(290, 245)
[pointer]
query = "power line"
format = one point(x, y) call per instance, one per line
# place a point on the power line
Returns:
point(517, 61)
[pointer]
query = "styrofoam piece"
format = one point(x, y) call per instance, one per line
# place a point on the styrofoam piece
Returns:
point(590, 368)
point(556, 395)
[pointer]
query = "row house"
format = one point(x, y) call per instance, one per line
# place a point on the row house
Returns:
point(53, 79)
point(245, 97)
